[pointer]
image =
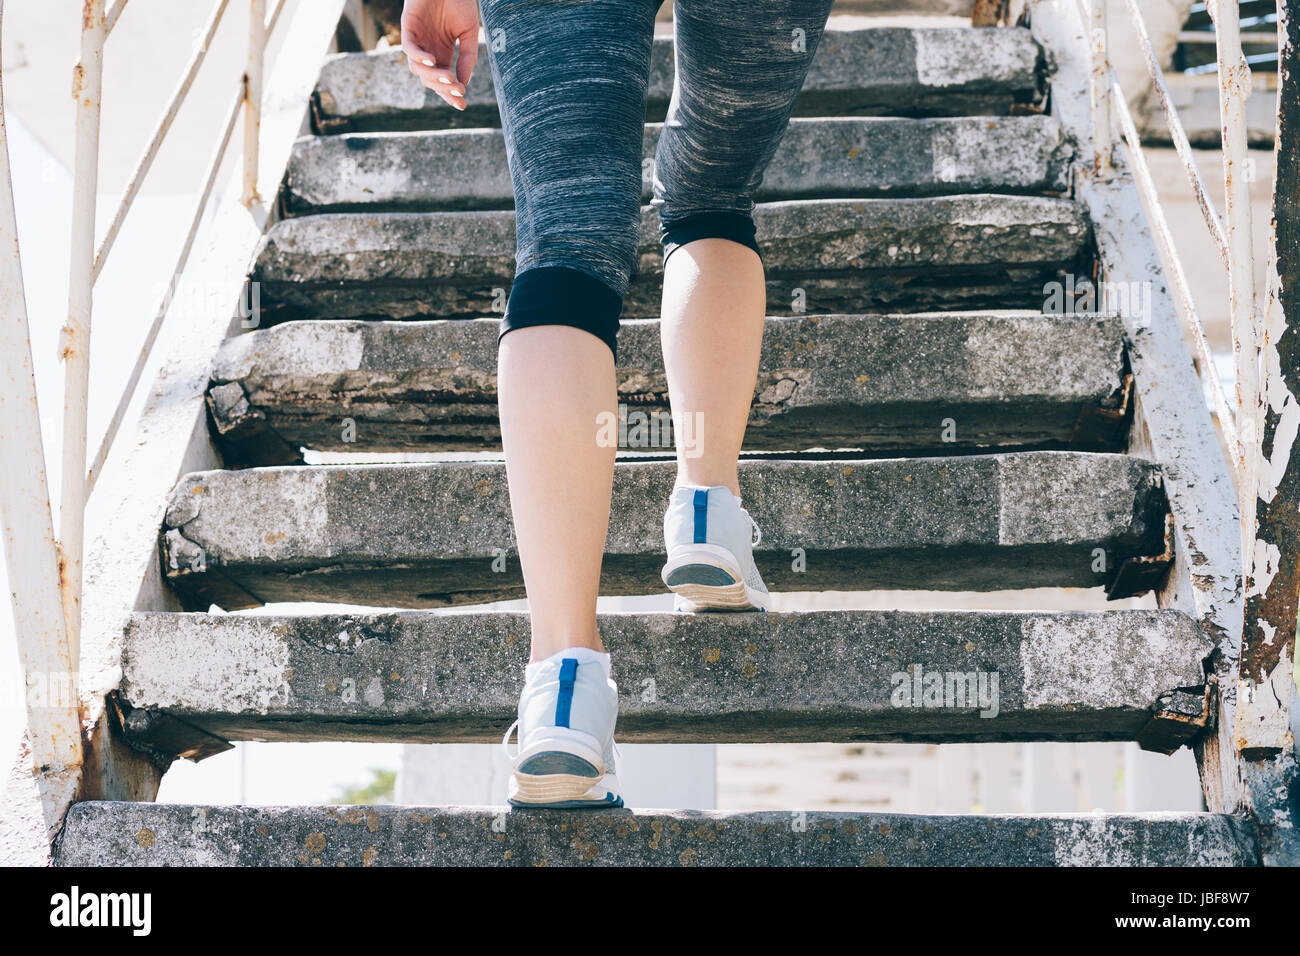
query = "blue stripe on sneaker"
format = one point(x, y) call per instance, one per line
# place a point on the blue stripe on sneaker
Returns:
point(564, 703)
point(701, 515)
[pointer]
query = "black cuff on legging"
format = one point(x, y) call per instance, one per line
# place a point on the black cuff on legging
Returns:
point(558, 295)
point(709, 225)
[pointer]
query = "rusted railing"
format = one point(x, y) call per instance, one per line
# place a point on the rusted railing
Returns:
point(46, 575)
point(1264, 695)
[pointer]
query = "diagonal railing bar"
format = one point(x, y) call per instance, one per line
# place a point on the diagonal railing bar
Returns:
point(1190, 318)
point(110, 20)
point(1176, 131)
point(145, 162)
point(151, 337)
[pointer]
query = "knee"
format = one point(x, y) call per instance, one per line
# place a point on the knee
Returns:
point(563, 295)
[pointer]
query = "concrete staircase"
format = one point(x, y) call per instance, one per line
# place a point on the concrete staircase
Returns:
point(919, 422)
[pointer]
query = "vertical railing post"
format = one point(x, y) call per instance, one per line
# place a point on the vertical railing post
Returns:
point(74, 346)
point(53, 725)
point(1100, 90)
point(1269, 355)
point(1234, 88)
point(253, 96)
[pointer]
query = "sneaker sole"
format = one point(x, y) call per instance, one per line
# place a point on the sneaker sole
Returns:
point(710, 581)
point(561, 771)
point(564, 792)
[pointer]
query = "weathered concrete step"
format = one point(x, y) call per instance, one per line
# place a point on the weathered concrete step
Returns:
point(818, 158)
point(899, 70)
point(957, 381)
point(152, 834)
point(822, 255)
point(427, 535)
point(436, 677)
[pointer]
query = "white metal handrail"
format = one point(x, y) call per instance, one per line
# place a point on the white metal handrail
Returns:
point(1233, 243)
point(1193, 328)
point(48, 587)
point(54, 731)
point(1261, 723)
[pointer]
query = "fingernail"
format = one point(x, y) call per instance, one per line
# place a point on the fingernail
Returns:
point(456, 93)
point(443, 79)
point(428, 62)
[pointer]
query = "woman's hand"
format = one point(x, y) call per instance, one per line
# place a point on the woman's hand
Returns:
point(430, 29)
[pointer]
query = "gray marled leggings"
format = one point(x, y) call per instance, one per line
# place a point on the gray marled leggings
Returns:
point(571, 79)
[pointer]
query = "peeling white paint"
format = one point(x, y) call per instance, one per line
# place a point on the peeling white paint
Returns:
point(1277, 396)
point(1263, 711)
point(1264, 567)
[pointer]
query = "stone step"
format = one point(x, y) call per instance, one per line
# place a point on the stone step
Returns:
point(436, 534)
point(818, 158)
point(192, 681)
point(822, 255)
point(151, 834)
point(956, 381)
point(867, 71)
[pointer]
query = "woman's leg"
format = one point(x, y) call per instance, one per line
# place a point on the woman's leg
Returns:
point(739, 67)
point(571, 84)
point(554, 382)
point(712, 329)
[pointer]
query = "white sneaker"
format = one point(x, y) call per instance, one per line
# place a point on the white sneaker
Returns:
point(711, 553)
point(566, 722)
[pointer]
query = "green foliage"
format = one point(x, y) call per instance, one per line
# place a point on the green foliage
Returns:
point(380, 789)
